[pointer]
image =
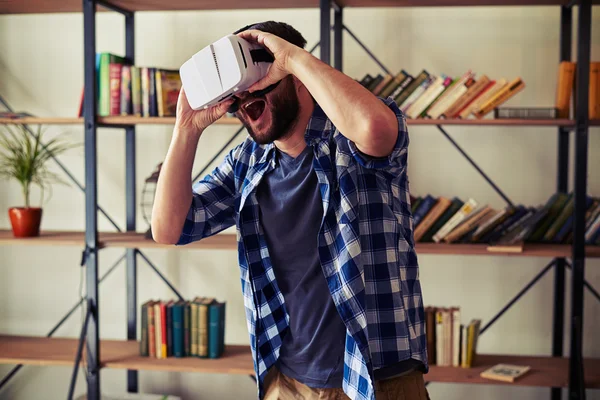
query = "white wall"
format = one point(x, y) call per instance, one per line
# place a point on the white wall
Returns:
point(41, 71)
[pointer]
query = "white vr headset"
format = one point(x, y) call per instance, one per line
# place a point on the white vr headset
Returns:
point(220, 70)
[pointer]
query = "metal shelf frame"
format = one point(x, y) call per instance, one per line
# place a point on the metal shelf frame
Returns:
point(90, 331)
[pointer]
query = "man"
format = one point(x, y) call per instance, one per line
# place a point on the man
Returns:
point(319, 195)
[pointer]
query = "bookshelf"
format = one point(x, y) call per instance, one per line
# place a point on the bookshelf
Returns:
point(551, 372)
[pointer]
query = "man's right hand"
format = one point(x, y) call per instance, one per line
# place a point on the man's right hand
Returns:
point(195, 121)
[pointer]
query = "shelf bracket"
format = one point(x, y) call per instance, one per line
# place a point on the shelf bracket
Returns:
point(518, 296)
point(474, 164)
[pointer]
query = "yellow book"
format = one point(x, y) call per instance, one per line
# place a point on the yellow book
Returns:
point(502, 96)
point(594, 95)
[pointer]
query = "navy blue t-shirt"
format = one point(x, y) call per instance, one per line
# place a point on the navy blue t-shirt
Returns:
point(291, 211)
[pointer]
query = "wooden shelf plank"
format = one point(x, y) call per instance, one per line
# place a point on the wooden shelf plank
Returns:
point(44, 6)
point(545, 371)
point(124, 354)
point(119, 354)
point(222, 241)
point(116, 120)
point(227, 241)
point(46, 238)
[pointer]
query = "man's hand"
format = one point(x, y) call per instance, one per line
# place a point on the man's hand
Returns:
point(282, 51)
point(189, 120)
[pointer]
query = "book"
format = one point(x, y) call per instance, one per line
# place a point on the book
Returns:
point(483, 97)
point(505, 372)
point(482, 82)
point(467, 208)
point(414, 84)
point(441, 205)
point(564, 88)
point(509, 91)
point(216, 329)
point(594, 94)
point(526, 112)
point(168, 85)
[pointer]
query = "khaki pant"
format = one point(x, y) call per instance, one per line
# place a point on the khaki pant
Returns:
point(407, 387)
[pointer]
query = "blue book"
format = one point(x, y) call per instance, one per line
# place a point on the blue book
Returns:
point(178, 329)
point(422, 209)
point(216, 329)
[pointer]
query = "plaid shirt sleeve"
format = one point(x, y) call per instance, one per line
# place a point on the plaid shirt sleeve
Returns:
point(395, 163)
point(213, 204)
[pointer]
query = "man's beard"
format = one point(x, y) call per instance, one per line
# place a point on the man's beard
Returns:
point(284, 108)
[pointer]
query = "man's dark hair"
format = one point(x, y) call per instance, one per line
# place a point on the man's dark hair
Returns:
point(280, 29)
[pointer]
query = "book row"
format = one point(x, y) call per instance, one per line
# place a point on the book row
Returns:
point(441, 219)
point(125, 89)
point(450, 343)
point(441, 96)
point(193, 328)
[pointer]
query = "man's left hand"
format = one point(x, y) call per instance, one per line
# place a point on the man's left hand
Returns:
point(282, 51)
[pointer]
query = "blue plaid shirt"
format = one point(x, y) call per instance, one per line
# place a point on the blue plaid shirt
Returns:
point(365, 246)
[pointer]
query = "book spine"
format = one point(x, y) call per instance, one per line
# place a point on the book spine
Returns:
point(410, 100)
point(144, 331)
point(214, 331)
point(187, 329)
point(136, 91)
point(169, 312)
point(151, 331)
point(104, 85)
point(194, 329)
point(158, 330)
point(153, 109)
point(398, 90)
point(423, 209)
point(125, 90)
point(160, 100)
point(452, 98)
point(484, 97)
point(594, 93)
point(145, 78)
point(511, 90)
point(178, 350)
point(456, 219)
point(436, 212)
point(163, 328)
point(456, 337)
point(471, 93)
point(423, 75)
point(203, 330)
point(564, 88)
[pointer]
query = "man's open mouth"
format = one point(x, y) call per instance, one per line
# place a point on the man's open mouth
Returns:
point(254, 108)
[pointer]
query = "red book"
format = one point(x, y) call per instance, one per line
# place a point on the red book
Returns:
point(163, 328)
point(115, 88)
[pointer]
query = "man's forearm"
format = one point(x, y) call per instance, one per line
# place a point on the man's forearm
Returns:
point(174, 188)
point(356, 112)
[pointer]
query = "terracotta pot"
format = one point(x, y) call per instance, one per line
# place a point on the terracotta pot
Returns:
point(25, 221)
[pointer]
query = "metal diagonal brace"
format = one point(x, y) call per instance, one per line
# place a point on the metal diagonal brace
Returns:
point(165, 280)
point(587, 285)
point(366, 49)
point(16, 369)
point(518, 296)
point(79, 350)
point(470, 160)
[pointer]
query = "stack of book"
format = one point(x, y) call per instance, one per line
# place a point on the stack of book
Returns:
point(440, 96)
point(449, 342)
point(125, 89)
point(441, 219)
point(183, 328)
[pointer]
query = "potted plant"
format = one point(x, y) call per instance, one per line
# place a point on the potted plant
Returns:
point(24, 157)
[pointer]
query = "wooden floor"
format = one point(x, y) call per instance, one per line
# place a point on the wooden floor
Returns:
point(120, 354)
